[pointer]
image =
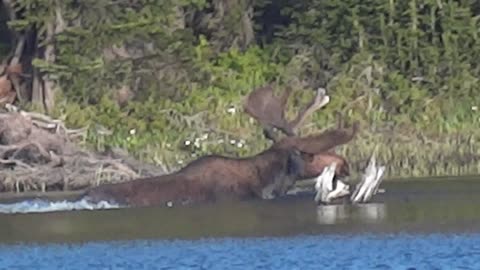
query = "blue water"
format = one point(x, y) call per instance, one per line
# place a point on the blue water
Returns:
point(367, 251)
point(419, 225)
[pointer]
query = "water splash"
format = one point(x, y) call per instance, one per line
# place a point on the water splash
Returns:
point(41, 206)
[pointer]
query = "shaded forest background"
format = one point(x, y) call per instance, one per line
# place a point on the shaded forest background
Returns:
point(166, 79)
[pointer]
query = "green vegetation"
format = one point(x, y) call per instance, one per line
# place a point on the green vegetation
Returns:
point(161, 73)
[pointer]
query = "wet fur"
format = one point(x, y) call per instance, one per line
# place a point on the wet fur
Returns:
point(266, 175)
point(211, 178)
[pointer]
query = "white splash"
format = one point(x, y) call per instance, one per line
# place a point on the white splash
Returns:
point(364, 190)
point(324, 186)
point(41, 206)
point(370, 183)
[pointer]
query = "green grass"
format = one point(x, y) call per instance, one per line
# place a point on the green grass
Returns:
point(418, 132)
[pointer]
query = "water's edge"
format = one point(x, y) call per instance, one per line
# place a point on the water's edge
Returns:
point(71, 195)
point(430, 206)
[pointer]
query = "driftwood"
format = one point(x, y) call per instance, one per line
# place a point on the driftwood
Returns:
point(39, 153)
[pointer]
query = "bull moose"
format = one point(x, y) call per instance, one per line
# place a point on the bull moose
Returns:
point(266, 175)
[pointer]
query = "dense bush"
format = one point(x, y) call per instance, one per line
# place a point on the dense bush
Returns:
point(168, 77)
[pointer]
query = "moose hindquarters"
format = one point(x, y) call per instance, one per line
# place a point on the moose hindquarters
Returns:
point(150, 191)
point(171, 190)
point(316, 166)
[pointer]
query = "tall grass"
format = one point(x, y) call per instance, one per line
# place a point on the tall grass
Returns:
point(418, 132)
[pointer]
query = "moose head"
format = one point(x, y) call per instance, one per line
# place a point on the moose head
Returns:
point(269, 110)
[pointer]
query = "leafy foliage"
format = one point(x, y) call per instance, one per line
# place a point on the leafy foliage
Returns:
point(176, 72)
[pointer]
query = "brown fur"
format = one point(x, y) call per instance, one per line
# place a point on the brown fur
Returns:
point(210, 178)
point(320, 161)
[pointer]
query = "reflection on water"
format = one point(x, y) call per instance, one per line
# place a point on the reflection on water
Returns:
point(372, 212)
point(342, 213)
point(421, 206)
point(332, 214)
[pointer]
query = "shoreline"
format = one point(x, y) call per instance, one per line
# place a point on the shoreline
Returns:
point(301, 188)
point(13, 197)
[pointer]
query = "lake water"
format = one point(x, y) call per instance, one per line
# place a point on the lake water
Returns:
point(431, 224)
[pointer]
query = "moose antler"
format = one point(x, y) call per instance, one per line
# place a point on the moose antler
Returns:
point(322, 142)
point(269, 110)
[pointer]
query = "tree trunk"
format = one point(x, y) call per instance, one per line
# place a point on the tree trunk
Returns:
point(18, 43)
point(48, 89)
point(49, 56)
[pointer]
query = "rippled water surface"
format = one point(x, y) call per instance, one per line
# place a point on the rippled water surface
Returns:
point(301, 252)
point(433, 224)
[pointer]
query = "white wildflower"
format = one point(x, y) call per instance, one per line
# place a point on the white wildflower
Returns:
point(231, 110)
point(474, 108)
point(233, 142)
point(239, 145)
point(197, 144)
point(187, 142)
point(132, 131)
